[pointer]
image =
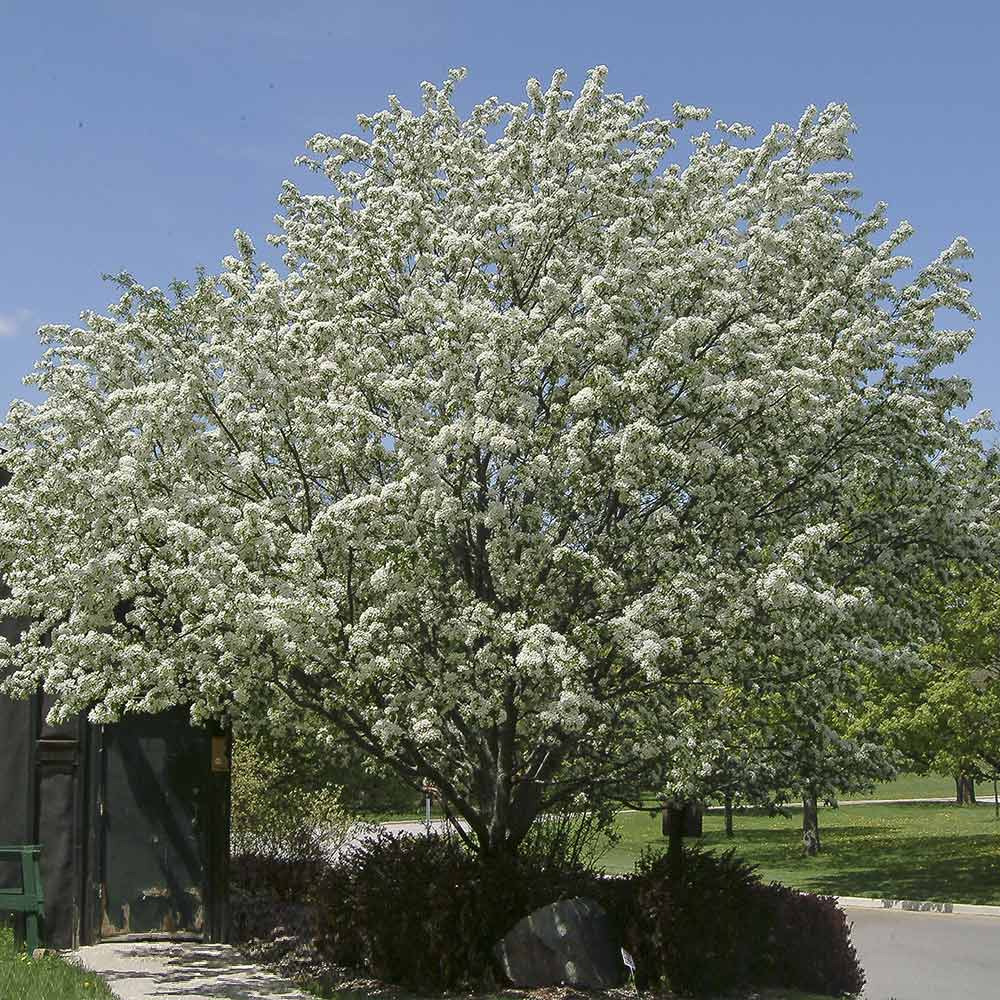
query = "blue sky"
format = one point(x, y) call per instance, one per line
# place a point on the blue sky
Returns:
point(138, 136)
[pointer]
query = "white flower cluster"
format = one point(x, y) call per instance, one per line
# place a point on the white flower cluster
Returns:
point(537, 426)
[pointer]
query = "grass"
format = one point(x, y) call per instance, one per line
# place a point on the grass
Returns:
point(905, 786)
point(930, 851)
point(918, 786)
point(48, 978)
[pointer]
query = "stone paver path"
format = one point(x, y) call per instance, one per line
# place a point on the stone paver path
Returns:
point(158, 970)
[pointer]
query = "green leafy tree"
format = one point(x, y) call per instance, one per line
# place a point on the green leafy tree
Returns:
point(796, 744)
point(279, 807)
point(944, 716)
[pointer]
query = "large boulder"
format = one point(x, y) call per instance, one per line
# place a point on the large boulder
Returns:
point(565, 942)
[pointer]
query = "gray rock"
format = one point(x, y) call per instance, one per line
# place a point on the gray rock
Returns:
point(565, 942)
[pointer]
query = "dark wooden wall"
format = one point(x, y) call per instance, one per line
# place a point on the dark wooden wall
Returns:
point(132, 818)
point(170, 803)
point(43, 800)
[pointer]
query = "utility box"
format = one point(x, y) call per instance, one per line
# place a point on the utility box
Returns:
point(684, 818)
point(133, 819)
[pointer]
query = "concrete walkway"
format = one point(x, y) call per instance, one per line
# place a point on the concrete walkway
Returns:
point(157, 970)
point(909, 802)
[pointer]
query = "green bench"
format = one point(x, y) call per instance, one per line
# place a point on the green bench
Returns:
point(28, 898)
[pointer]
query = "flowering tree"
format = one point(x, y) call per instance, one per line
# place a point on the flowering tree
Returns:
point(538, 428)
point(801, 742)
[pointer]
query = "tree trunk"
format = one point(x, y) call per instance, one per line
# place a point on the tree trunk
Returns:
point(675, 839)
point(965, 790)
point(810, 825)
point(729, 815)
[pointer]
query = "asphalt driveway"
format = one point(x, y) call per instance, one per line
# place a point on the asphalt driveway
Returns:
point(927, 956)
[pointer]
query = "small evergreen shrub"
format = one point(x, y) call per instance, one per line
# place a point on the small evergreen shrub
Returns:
point(699, 932)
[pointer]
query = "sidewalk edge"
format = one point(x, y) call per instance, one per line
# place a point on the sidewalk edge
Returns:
point(918, 906)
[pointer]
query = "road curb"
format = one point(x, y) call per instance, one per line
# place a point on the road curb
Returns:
point(918, 906)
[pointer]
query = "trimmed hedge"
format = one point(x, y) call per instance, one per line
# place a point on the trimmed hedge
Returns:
point(716, 926)
point(424, 913)
point(815, 953)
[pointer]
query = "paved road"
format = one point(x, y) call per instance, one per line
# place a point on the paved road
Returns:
point(927, 956)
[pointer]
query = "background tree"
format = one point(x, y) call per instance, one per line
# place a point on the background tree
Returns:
point(724, 754)
point(539, 429)
point(942, 716)
point(313, 759)
point(802, 743)
point(818, 760)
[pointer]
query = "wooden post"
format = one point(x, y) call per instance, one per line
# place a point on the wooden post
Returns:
point(674, 821)
point(32, 883)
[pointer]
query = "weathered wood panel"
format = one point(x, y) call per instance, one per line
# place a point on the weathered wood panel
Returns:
point(156, 810)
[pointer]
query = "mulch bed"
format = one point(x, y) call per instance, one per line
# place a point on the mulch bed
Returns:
point(299, 961)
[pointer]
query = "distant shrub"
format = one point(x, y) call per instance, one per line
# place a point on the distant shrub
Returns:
point(277, 817)
point(575, 835)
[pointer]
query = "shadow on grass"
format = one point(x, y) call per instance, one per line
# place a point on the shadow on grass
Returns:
point(938, 868)
point(865, 861)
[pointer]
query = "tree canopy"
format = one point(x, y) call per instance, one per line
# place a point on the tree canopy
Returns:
point(540, 425)
point(942, 717)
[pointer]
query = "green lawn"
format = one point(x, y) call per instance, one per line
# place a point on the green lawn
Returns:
point(906, 786)
point(932, 851)
point(917, 786)
point(48, 978)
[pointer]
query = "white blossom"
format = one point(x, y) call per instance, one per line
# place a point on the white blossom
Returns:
point(537, 424)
